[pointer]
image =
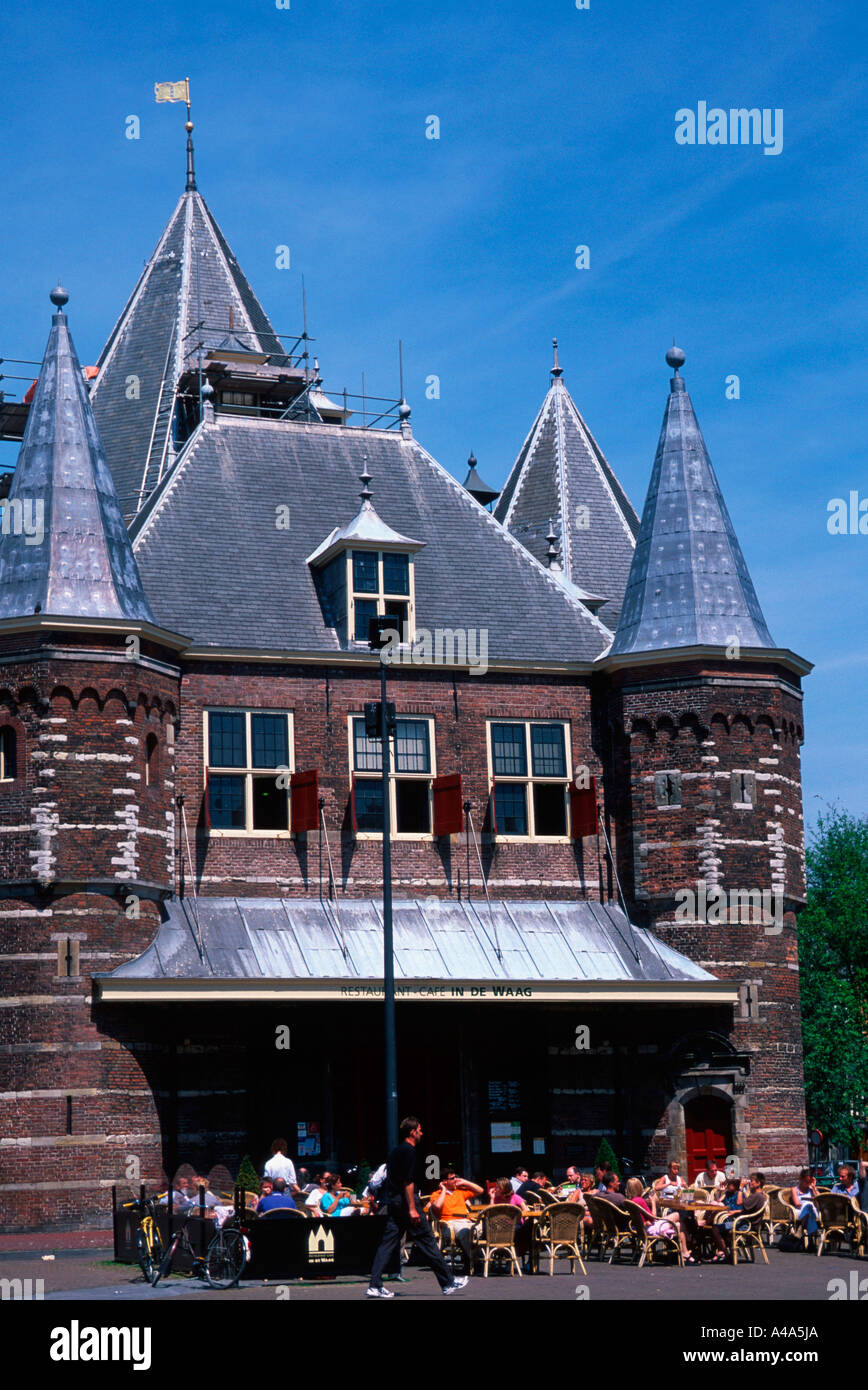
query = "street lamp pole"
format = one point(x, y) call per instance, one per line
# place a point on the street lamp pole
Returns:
point(388, 933)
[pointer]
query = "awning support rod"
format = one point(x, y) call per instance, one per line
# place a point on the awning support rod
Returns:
point(199, 945)
point(333, 891)
point(617, 883)
point(497, 950)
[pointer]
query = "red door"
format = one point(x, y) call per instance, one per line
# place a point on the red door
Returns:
point(708, 1128)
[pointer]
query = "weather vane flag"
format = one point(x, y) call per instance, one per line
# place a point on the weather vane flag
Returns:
point(173, 91)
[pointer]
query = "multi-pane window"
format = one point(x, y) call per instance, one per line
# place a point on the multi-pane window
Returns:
point(380, 588)
point(529, 764)
point(7, 754)
point(249, 753)
point(409, 782)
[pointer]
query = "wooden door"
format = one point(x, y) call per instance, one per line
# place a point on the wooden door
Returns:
point(708, 1131)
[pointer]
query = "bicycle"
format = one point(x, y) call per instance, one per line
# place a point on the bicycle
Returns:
point(149, 1242)
point(223, 1262)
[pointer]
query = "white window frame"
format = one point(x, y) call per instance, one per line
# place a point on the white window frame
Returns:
point(248, 772)
point(393, 778)
point(529, 780)
point(381, 597)
point(12, 739)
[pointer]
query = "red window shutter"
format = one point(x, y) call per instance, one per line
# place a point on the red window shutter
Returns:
point(304, 787)
point(584, 818)
point(448, 806)
point(207, 798)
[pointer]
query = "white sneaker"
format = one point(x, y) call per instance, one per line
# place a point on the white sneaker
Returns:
point(457, 1285)
point(379, 1293)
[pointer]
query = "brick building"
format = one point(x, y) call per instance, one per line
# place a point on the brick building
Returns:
point(183, 639)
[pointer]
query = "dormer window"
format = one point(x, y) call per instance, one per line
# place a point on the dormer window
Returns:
point(380, 588)
point(366, 570)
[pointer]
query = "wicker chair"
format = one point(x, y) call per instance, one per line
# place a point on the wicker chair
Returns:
point(495, 1231)
point(619, 1228)
point(560, 1232)
point(745, 1232)
point(840, 1220)
point(647, 1242)
point(547, 1199)
point(446, 1238)
point(784, 1203)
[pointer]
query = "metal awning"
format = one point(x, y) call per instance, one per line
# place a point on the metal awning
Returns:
point(313, 949)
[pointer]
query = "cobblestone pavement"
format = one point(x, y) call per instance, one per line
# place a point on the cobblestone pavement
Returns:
point(93, 1276)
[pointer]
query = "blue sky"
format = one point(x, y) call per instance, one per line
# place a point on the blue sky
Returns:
point(556, 129)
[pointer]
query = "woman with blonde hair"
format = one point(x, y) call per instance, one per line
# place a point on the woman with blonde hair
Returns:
point(658, 1226)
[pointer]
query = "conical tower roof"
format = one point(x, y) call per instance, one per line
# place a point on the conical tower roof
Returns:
point(191, 278)
point(689, 584)
point(65, 549)
point(562, 476)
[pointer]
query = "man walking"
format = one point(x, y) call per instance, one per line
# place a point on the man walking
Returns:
point(404, 1216)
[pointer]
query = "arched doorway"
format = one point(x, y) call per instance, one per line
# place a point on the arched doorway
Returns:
point(708, 1132)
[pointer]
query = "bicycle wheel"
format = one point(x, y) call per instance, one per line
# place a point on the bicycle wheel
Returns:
point(225, 1259)
point(149, 1252)
point(165, 1264)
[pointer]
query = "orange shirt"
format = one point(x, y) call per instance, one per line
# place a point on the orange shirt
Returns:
point(454, 1205)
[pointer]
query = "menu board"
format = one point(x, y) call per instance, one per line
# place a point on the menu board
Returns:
point(504, 1097)
point(506, 1137)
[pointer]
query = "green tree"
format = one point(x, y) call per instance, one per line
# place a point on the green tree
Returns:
point(606, 1154)
point(248, 1178)
point(833, 958)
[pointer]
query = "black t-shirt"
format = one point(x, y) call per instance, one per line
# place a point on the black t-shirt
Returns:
point(529, 1186)
point(400, 1168)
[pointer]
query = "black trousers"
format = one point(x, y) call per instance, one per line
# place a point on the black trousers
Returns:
point(398, 1224)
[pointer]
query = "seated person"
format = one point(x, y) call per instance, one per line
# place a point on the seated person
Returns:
point(538, 1183)
point(741, 1201)
point(520, 1176)
point(657, 1226)
point(570, 1184)
point(278, 1200)
point(316, 1193)
point(713, 1176)
point(449, 1203)
point(337, 1200)
point(846, 1186)
point(803, 1197)
point(671, 1181)
point(180, 1193)
point(610, 1189)
point(205, 1198)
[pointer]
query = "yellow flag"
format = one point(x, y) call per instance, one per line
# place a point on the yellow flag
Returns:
point(172, 91)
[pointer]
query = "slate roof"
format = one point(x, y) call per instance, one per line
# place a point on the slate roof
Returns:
point(560, 468)
point(81, 565)
point(689, 584)
point(155, 338)
point(216, 567)
point(309, 939)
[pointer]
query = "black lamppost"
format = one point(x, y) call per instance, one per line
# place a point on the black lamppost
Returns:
point(382, 720)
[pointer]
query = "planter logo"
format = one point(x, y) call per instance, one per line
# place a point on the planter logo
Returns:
point(76, 1343)
point(737, 126)
point(321, 1247)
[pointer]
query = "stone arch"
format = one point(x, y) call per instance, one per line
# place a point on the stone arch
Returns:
point(642, 728)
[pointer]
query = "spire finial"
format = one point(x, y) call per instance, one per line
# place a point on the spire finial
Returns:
point(365, 479)
point(557, 369)
point(59, 296)
point(675, 357)
point(191, 172)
